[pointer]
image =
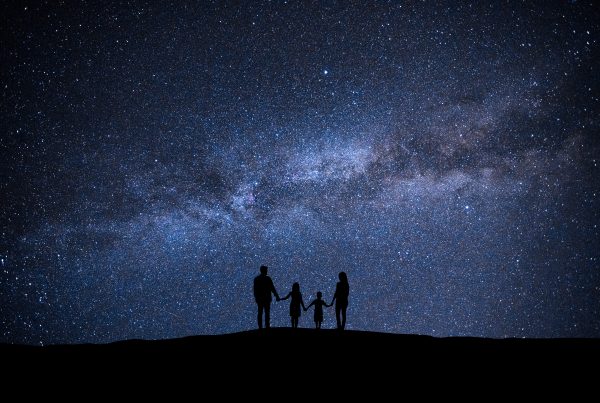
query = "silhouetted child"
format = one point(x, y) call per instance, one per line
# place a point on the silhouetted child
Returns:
point(319, 304)
point(295, 304)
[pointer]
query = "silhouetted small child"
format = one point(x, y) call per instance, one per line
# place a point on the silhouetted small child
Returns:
point(319, 304)
point(295, 304)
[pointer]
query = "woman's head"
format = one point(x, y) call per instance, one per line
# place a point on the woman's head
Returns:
point(343, 277)
point(296, 287)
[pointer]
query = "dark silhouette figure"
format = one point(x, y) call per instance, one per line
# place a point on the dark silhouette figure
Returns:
point(340, 297)
point(263, 287)
point(319, 304)
point(295, 304)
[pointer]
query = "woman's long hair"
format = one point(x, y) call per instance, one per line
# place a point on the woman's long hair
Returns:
point(343, 289)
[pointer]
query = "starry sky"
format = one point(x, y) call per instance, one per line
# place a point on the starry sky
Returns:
point(154, 155)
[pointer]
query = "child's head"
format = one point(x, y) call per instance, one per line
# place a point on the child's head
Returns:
point(296, 287)
point(319, 295)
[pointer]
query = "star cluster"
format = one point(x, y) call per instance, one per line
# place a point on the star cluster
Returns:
point(444, 155)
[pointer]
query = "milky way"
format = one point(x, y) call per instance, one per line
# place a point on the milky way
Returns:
point(154, 156)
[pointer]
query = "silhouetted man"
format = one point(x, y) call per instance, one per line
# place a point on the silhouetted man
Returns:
point(263, 287)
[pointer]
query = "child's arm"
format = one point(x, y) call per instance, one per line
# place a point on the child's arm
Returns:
point(311, 304)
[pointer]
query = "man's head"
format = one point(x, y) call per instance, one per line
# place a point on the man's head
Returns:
point(319, 295)
point(263, 270)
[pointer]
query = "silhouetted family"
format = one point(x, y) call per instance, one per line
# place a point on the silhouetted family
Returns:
point(263, 288)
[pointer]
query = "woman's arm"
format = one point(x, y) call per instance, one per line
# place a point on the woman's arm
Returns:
point(337, 289)
point(286, 297)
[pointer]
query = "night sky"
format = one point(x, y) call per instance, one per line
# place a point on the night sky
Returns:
point(154, 155)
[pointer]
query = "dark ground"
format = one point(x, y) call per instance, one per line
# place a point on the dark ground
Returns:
point(287, 344)
point(304, 357)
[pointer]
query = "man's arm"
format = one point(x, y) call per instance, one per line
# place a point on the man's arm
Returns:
point(273, 290)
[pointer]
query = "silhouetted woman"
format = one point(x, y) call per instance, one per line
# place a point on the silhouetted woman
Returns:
point(340, 297)
point(295, 304)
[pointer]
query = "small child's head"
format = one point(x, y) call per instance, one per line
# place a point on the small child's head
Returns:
point(296, 287)
point(319, 295)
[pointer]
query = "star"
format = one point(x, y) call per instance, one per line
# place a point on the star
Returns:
point(155, 159)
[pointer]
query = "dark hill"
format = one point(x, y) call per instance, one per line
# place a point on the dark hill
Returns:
point(283, 356)
point(321, 343)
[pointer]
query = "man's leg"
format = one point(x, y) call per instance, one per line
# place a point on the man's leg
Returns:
point(267, 315)
point(259, 317)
